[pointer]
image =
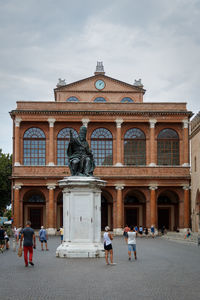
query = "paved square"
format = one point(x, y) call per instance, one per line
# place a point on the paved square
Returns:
point(164, 270)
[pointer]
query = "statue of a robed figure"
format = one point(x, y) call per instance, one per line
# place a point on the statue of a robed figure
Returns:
point(81, 161)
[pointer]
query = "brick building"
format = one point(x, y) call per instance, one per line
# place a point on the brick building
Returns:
point(195, 172)
point(141, 150)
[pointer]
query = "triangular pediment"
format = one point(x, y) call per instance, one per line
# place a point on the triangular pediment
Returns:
point(110, 85)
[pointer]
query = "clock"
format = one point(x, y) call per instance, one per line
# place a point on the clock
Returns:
point(100, 84)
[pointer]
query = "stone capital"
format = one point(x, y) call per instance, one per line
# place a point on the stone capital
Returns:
point(119, 187)
point(153, 187)
point(185, 123)
point(17, 187)
point(51, 186)
point(152, 123)
point(51, 122)
point(85, 122)
point(17, 122)
point(119, 122)
point(186, 187)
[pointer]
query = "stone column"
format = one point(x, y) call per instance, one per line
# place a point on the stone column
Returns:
point(181, 214)
point(120, 211)
point(51, 143)
point(186, 207)
point(16, 205)
point(118, 142)
point(185, 148)
point(152, 150)
point(153, 205)
point(85, 122)
point(51, 212)
point(17, 142)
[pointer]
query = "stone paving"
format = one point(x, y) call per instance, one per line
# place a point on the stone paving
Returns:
point(164, 270)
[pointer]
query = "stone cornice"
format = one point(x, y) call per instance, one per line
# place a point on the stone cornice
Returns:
point(100, 112)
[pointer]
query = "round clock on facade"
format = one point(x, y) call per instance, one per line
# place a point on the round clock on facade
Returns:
point(99, 84)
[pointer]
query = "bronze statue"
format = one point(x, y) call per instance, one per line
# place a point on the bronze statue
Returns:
point(81, 161)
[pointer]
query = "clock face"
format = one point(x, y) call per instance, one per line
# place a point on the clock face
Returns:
point(100, 84)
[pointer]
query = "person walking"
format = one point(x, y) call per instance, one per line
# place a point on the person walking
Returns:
point(126, 229)
point(131, 241)
point(152, 231)
point(2, 239)
point(28, 236)
point(43, 237)
point(108, 237)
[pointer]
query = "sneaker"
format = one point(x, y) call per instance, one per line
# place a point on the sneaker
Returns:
point(113, 264)
point(136, 258)
point(129, 258)
point(31, 263)
point(47, 249)
point(26, 265)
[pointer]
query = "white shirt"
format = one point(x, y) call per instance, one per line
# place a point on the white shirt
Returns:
point(106, 238)
point(131, 237)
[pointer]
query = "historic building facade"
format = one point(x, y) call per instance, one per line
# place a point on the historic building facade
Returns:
point(195, 172)
point(141, 150)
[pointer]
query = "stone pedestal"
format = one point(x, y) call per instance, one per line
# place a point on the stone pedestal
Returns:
point(81, 217)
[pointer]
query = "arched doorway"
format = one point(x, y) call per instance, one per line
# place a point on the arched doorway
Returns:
point(106, 210)
point(34, 208)
point(60, 210)
point(168, 212)
point(135, 208)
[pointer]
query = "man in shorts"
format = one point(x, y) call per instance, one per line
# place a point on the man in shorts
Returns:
point(131, 241)
point(43, 237)
point(2, 239)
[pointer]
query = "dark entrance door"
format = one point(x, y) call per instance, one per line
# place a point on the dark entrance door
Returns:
point(131, 216)
point(163, 218)
point(104, 215)
point(36, 217)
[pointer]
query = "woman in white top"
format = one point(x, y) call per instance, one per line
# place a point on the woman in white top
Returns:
point(108, 237)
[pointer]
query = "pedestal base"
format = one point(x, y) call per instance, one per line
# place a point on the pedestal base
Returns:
point(80, 250)
point(118, 231)
point(51, 231)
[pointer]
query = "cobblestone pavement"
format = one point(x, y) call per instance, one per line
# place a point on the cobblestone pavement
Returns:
point(164, 270)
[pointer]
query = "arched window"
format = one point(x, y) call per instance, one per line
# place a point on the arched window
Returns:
point(127, 100)
point(134, 147)
point(168, 147)
point(62, 145)
point(102, 147)
point(72, 99)
point(99, 99)
point(34, 147)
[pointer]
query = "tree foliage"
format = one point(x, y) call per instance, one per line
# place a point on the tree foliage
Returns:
point(5, 181)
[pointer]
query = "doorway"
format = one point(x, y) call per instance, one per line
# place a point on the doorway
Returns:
point(131, 216)
point(35, 216)
point(163, 218)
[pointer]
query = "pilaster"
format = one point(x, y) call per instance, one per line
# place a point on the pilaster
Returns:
point(118, 142)
point(51, 143)
point(17, 142)
point(152, 150)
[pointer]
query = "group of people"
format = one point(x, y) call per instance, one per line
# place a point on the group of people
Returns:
point(140, 230)
point(130, 238)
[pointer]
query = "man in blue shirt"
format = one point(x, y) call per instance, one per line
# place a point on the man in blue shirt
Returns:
point(43, 237)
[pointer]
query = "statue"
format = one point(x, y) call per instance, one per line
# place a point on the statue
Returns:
point(81, 161)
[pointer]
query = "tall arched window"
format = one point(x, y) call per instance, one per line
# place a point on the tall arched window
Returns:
point(62, 145)
point(102, 147)
point(34, 147)
point(168, 147)
point(134, 147)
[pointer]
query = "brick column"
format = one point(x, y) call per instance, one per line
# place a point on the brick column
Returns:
point(153, 205)
point(16, 205)
point(152, 150)
point(181, 214)
point(186, 207)
point(17, 142)
point(120, 211)
point(51, 210)
point(21, 221)
point(118, 142)
point(185, 148)
point(51, 143)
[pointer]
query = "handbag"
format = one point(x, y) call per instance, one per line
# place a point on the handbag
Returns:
point(19, 251)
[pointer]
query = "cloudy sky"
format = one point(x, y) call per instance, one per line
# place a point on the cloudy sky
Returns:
point(43, 40)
